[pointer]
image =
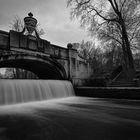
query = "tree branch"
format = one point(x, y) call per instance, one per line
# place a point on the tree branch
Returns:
point(101, 16)
point(122, 5)
point(111, 37)
point(117, 8)
point(113, 6)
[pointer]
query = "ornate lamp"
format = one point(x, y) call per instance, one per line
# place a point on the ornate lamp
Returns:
point(30, 24)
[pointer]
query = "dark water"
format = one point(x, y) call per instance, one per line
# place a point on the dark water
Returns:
point(71, 118)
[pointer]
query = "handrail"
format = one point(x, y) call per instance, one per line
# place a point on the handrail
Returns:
point(116, 77)
point(116, 73)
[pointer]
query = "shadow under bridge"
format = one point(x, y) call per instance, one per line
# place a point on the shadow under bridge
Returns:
point(44, 68)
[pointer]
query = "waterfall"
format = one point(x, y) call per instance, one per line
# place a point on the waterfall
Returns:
point(20, 91)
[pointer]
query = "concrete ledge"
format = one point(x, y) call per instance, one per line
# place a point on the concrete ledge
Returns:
point(109, 92)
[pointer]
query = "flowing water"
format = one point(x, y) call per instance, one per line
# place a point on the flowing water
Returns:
point(19, 91)
point(67, 118)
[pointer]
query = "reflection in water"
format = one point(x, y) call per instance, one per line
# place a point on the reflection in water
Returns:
point(71, 118)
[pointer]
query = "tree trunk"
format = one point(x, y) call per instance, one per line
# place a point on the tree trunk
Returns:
point(128, 49)
point(124, 55)
point(130, 70)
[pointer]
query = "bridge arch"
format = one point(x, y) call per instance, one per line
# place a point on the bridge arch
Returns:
point(44, 68)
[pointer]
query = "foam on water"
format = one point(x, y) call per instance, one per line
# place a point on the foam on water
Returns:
point(19, 91)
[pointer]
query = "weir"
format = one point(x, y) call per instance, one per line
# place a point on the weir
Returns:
point(20, 91)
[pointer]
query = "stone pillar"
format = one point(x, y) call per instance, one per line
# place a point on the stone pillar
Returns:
point(72, 56)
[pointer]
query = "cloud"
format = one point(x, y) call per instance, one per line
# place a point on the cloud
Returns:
point(53, 16)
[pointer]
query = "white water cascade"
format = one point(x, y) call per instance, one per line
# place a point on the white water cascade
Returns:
point(20, 91)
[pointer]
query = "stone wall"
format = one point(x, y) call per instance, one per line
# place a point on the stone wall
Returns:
point(80, 69)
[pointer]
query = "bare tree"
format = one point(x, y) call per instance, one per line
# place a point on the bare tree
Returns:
point(117, 20)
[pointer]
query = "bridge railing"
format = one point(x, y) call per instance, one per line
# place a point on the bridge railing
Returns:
point(4, 40)
point(18, 40)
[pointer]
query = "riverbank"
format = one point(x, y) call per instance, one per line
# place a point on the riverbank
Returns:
point(109, 92)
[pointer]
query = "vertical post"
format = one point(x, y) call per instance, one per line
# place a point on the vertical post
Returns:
point(69, 46)
point(72, 56)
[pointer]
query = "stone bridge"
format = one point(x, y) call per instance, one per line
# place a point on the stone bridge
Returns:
point(46, 60)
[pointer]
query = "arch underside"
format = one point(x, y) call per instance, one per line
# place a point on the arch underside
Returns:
point(43, 68)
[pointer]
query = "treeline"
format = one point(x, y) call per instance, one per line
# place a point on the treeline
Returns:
point(104, 59)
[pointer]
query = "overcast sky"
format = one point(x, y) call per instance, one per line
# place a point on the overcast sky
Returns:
point(53, 16)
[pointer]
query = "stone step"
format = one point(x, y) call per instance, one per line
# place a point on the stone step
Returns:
point(122, 85)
